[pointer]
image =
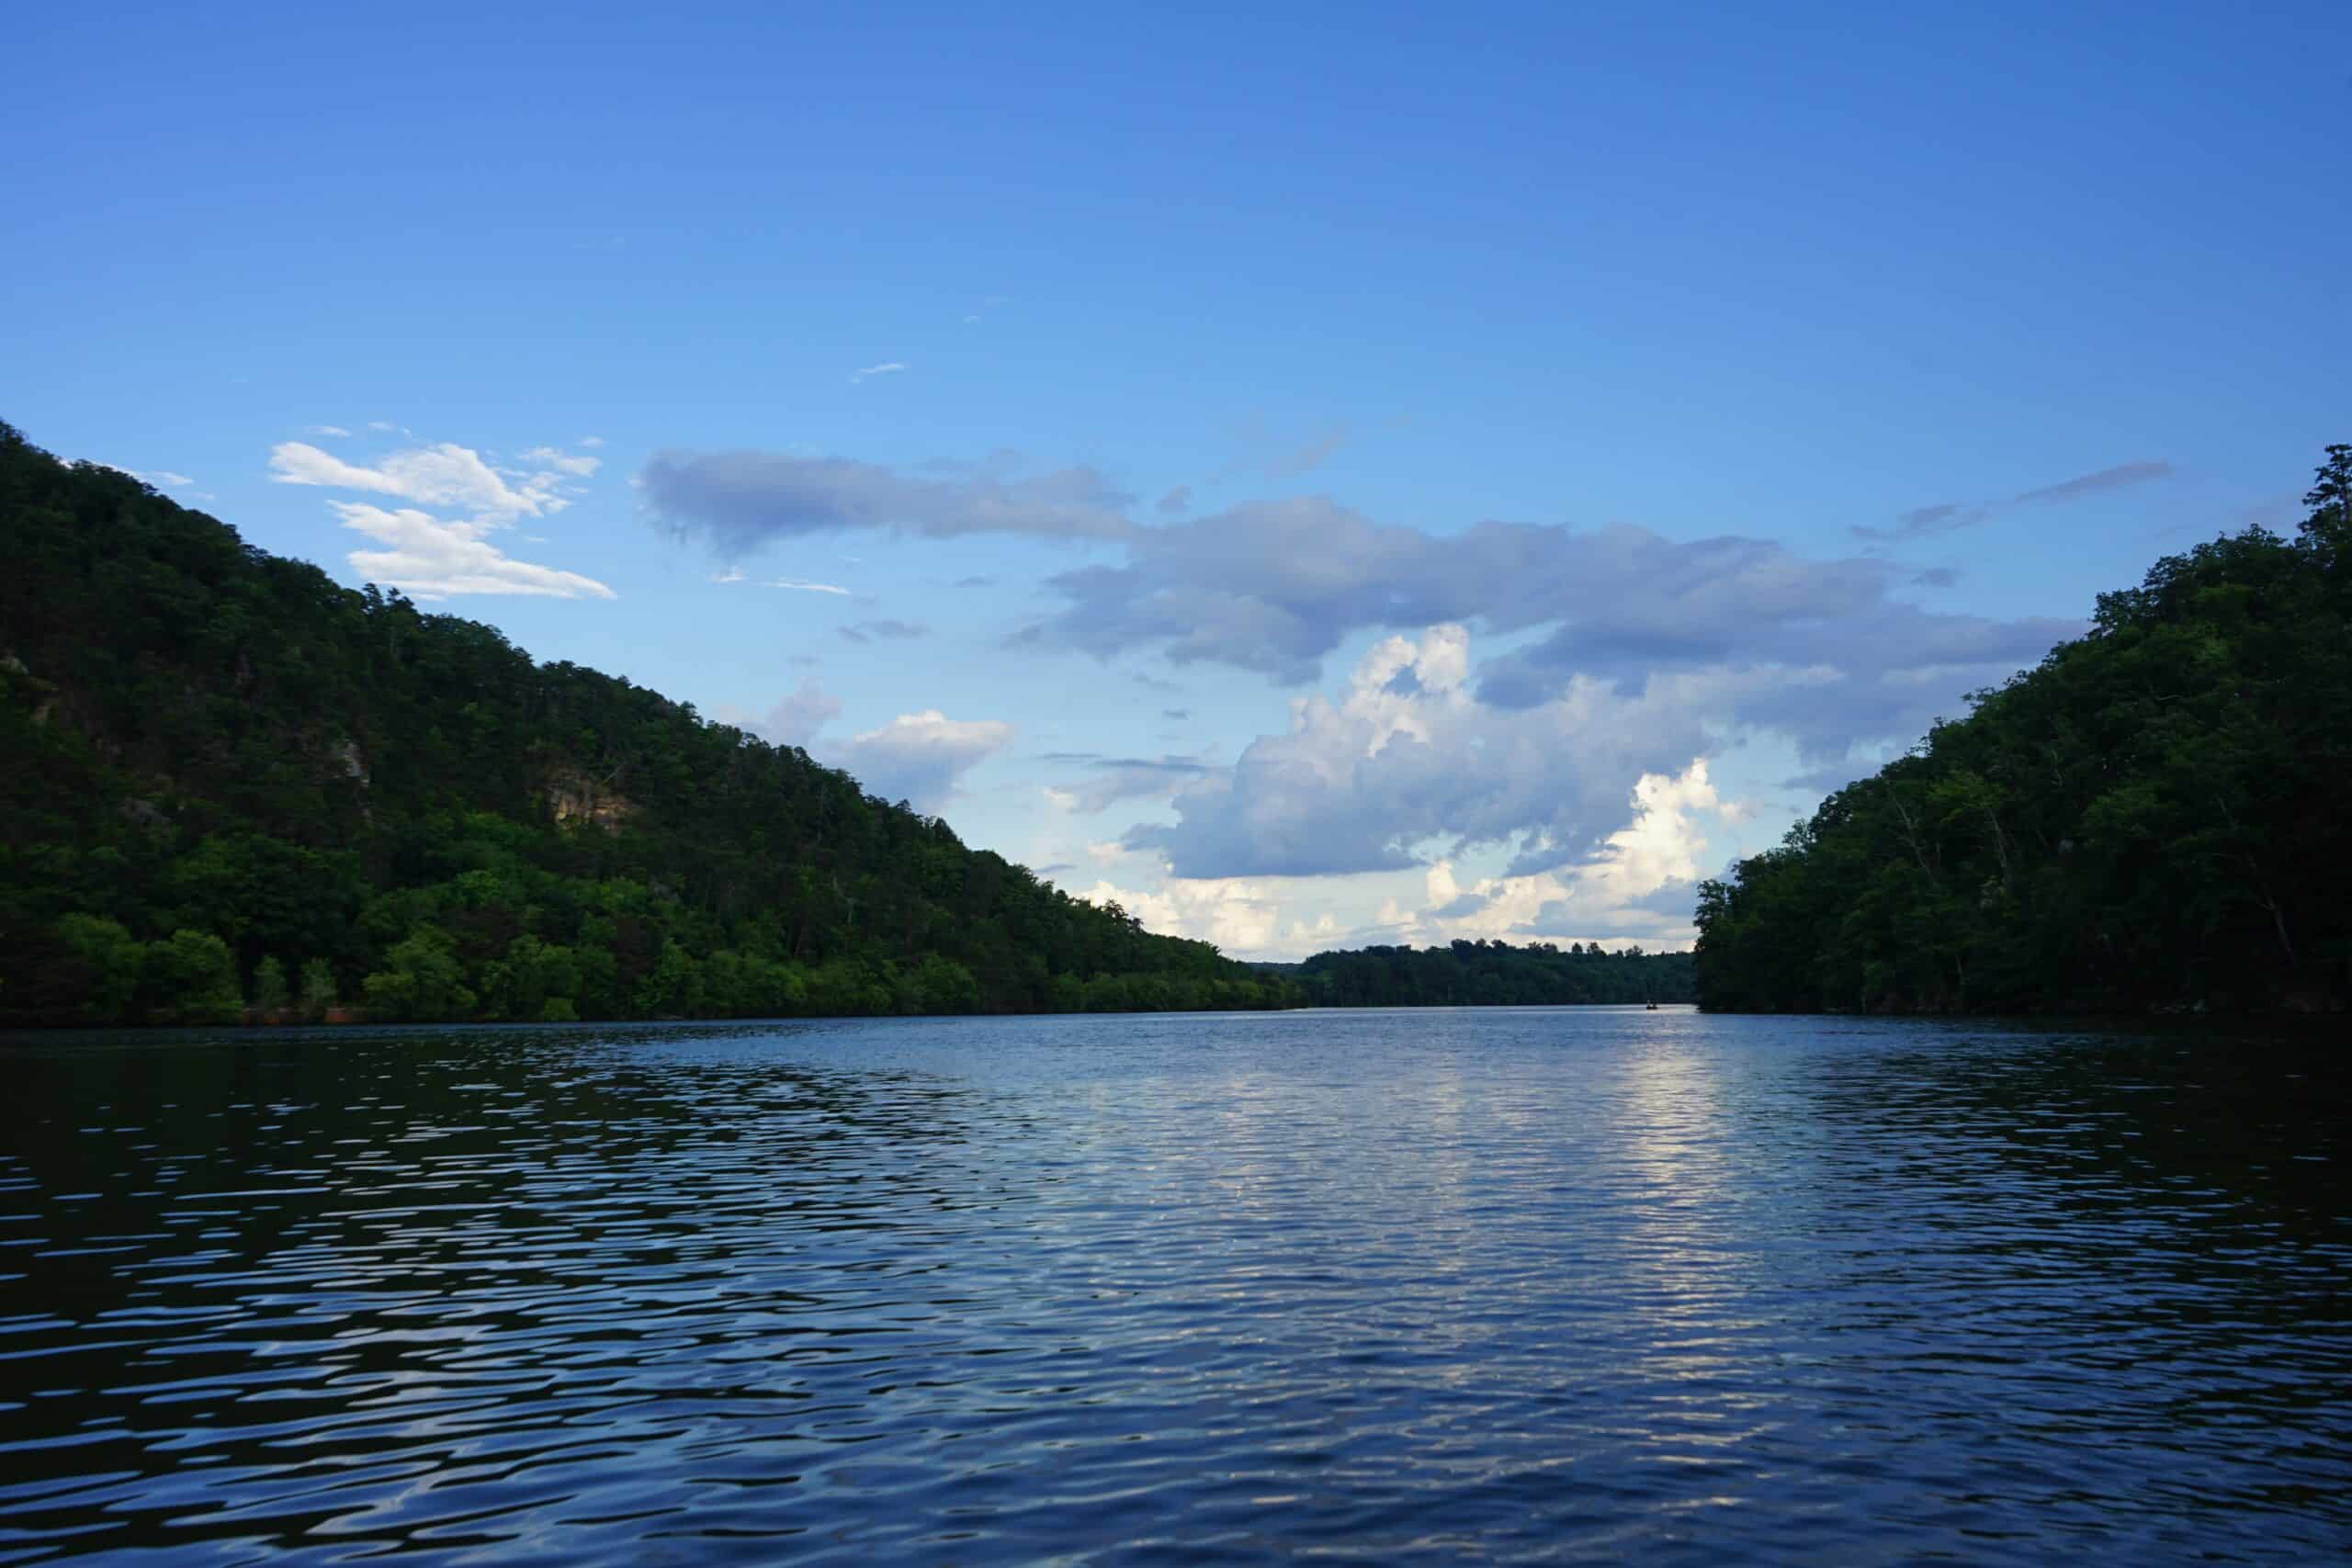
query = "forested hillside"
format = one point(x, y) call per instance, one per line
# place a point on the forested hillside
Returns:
point(228, 782)
point(1492, 973)
point(2154, 818)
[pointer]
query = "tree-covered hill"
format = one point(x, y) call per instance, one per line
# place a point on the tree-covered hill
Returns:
point(1492, 973)
point(2154, 818)
point(228, 782)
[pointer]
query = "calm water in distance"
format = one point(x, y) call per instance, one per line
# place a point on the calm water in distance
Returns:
point(1388, 1287)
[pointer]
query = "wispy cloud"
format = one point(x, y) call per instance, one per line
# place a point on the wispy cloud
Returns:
point(156, 479)
point(437, 558)
point(732, 574)
point(563, 462)
point(1113, 779)
point(886, 630)
point(740, 500)
point(1925, 521)
point(441, 475)
point(1950, 516)
point(434, 558)
point(798, 586)
point(892, 369)
point(590, 441)
point(330, 432)
point(2118, 478)
point(1273, 457)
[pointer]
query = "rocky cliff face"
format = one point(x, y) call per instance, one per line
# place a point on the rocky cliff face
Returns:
point(573, 796)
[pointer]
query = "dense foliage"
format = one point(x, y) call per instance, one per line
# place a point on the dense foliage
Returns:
point(229, 783)
point(1492, 973)
point(2154, 818)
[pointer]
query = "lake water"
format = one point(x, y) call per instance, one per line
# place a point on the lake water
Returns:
point(1540, 1284)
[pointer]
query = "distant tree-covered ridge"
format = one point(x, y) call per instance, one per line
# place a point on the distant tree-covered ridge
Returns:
point(230, 785)
point(1492, 973)
point(2155, 817)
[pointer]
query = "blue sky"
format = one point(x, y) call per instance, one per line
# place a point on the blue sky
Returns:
point(1299, 474)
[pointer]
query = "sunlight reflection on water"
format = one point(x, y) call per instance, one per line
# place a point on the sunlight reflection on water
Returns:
point(1518, 1284)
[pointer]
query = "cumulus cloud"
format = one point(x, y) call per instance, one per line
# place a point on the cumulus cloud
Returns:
point(1274, 587)
point(1409, 765)
point(1638, 883)
point(737, 502)
point(1406, 754)
point(918, 757)
point(1728, 632)
point(441, 475)
point(1239, 917)
point(793, 720)
point(433, 560)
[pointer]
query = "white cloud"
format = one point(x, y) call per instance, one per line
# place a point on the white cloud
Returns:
point(563, 462)
point(892, 369)
point(795, 584)
point(793, 720)
point(1238, 915)
point(590, 441)
point(332, 431)
point(432, 558)
point(1406, 754)
point(156, 479)
point(383, 425)
point(441, 475)
point(732, 574)
point(918, 757)
point(1655, 857)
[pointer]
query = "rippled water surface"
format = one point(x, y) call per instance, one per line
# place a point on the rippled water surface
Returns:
point(1386, 1287)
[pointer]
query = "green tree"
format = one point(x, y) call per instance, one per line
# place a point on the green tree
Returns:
point(112, 959)
point(422, 982)
point(190, 977)
point(270, 993)
point(319, 990)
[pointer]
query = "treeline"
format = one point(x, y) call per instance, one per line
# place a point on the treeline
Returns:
point(231, 787)
point(2152, 818)
point(1492, 973)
